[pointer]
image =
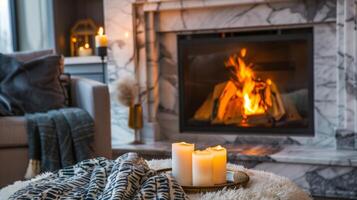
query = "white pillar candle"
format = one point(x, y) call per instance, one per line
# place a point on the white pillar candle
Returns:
point(219, 164)
point(101, 40)
point(202, 168)
point(182, 162)
point(85, 51)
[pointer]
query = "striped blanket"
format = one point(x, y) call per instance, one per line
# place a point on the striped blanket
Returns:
point(58, 139)
point(127, 177)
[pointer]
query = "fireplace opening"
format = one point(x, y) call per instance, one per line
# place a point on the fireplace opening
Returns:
point(257, 82)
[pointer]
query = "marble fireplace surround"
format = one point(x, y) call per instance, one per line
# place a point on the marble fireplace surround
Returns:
point(156, 24)
point(150, 54)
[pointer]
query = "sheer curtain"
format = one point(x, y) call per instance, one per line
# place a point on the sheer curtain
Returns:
point(5, 27)
point(35, 24)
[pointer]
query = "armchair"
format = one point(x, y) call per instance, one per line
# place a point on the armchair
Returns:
point(87, 94)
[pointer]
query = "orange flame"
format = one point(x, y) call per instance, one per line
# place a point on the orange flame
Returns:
point(100, 31)
point(253, 100)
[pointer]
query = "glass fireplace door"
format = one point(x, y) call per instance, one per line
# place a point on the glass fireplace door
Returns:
point(252, 82)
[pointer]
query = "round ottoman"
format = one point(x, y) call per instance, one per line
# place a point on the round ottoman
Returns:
point(262, 186)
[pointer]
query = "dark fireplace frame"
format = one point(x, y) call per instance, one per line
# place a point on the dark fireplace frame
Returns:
point(305, 33)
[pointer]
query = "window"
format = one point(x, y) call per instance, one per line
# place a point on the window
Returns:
point(6, 44)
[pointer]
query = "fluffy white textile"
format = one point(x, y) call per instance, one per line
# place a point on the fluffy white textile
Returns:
point(262, 186)
point(7, 191)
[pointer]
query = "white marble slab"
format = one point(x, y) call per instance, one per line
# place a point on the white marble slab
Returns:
point(323, 156)
point(169, 5)
point(119, 29)
point(316, 165)
point(334, 97)
point(261, 14)
point(289, 154)
point(82, 60)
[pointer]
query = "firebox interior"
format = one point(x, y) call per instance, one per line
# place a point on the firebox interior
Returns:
point(213, 95)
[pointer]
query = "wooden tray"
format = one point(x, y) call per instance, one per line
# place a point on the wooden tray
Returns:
point(242, 181)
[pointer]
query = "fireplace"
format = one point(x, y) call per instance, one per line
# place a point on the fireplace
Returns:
point(258, 82)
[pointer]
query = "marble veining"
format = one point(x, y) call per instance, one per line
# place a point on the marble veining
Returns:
point(328, 176)
point(318, 180)
point(325, 86)
point(248, 15)
point(320, 170)
point(118, 27)
point(298, 154)
point(328, 115)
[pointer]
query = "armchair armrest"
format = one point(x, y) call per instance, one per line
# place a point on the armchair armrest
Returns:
point(93, 97)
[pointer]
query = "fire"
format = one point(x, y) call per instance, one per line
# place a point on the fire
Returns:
point(253, 101)
point(244, 99)
point(100, 31)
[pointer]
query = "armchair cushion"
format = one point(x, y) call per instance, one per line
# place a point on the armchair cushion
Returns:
point(13, 132)
point(34, 86)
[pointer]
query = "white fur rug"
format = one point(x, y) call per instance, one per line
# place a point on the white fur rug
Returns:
point(262, 186)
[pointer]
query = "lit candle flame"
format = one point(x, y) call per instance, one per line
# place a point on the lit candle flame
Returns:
point(202, 152)
point(216, 148)
point(185, 143)
point(100, 31)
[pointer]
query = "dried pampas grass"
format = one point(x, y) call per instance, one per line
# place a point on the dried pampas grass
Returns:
point(127, 91)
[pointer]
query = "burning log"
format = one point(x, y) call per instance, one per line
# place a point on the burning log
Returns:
point(258, 120)
point(233, 113)
point(244, 100)
point(208, 108)
point(205, 111)
point(276, 110)
point(224, 106)
point(227, 94)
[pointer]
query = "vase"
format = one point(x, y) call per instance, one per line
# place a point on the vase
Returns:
point(135, 122)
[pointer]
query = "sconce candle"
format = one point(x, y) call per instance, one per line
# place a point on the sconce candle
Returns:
point(85, 51)
point(202, 168)
point(182, 162)
point(101, 40)
point(219, 164)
